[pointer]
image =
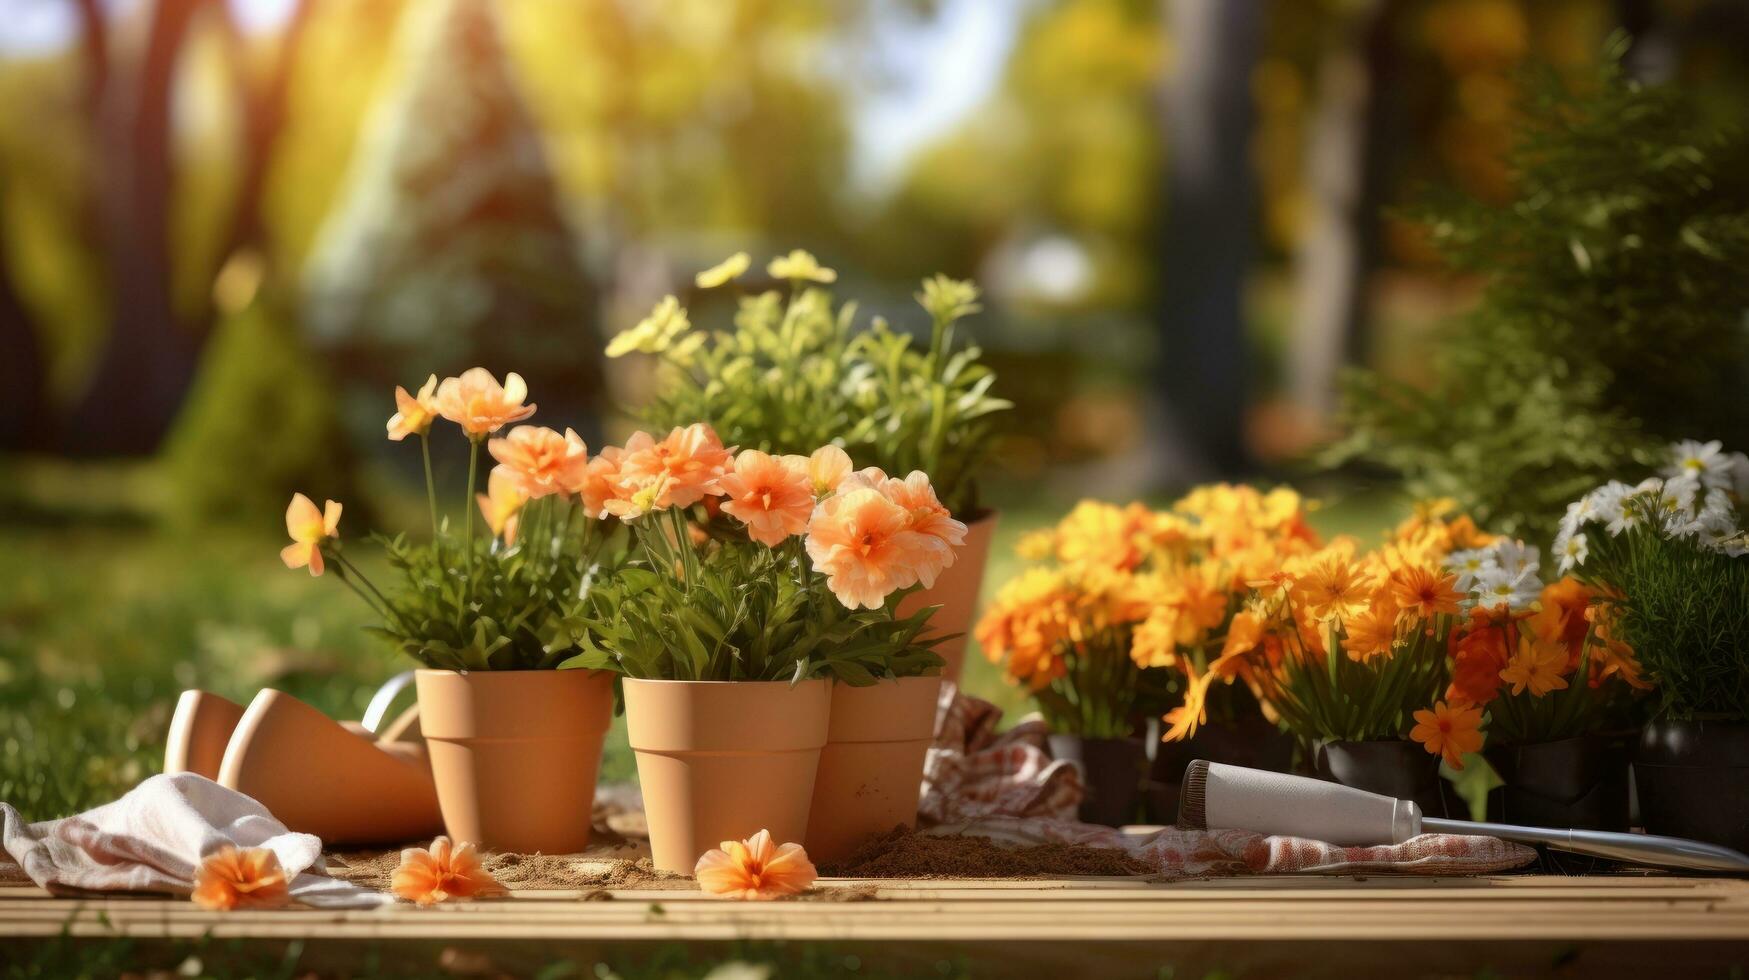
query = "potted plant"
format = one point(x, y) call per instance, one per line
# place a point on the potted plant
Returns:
point(514, 743)
point(1558, 690)
point(1671, 561)
point(1347, 648)
point(794, 372)
point(756, 580)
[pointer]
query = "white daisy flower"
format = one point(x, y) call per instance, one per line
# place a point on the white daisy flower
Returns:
point(1466, 565)
point(1706, 462)
point(1573, 549)
point(1719, 531)
point(1606, 504)
point(1516, 556)
point(1498, 587)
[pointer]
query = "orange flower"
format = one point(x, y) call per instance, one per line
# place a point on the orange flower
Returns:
point(1450, 729)
point(684, 467)
point(1332, 587)
point(1155, 641)
point(541, 461)
point(1423, 594)
point(413, 413)
point(1182, 721)
point(500, 503)
point(308, 528)
point(755, 868)
point(827, 468)
point(1478, 657)
point(864, 544)
point(1537, 665)
point(939, 531)
point(476, 402)
point(601, 482)
point(1372, 633)
point(772, 495)
point(442, 872)
point(232, 878)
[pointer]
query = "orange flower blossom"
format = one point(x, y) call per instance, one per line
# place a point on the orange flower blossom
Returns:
point(500, 503)
point(755, 869)
point(479, 404)
point(232, 878)
point(308, 528)
point(864, 544)
point(442, 872)
point(772, 495)
point(413, 413)
point(541, 461)
point(684, 467)
point(1450, 729)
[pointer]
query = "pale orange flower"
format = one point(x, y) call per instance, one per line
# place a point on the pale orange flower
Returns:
point(827, 468)
point(941, 533)
point(237, 878)
point(413, 413)
point(864, 544)
point(500, 503)
point(443, 872)
point(541, 461)
point(755, 869)
point(687, 465)
point(1449, 729)
point(476, 402)
point(601, 482)
point(1537, 665)
point(308, 528)
point(772, 495)
point(1424, 594)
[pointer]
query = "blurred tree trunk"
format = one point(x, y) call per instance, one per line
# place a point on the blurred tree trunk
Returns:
point(1345, 162)
point(24, 417)
point(1208, 114)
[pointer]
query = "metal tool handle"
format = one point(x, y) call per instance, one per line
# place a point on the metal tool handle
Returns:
point(1672, 852)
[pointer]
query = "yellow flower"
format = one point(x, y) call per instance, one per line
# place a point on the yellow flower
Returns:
point(800, 266)
point(653, 333)
point(1332, 586)
point(413, 413)
point(1372, 633)
point(500, 503)
point(1183, 720)
point(308, 528)
point(1537, 665)
point(730, 268)
point(480, 405)
point(1450, 730)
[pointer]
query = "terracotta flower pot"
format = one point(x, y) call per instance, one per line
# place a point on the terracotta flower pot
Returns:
point(722, 760)
point(515, 754)
point(1574, 782)
point(956, 592)
point(1111, 770)
point(1693, 780)
point(1392, 767)
point(199, 731)
point(1255, 745)
point(871, 771)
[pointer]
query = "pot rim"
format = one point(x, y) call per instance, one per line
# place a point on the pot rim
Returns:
point(663, 680)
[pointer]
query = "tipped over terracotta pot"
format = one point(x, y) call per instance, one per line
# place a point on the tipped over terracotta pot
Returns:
point(515, 754)
point(871, 771)
point(956, 591)
point(723, 760)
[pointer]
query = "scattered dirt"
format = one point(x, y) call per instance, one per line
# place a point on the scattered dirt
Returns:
point(854, 893)
point(905, 854)
point(517, 872)
point(637, 874)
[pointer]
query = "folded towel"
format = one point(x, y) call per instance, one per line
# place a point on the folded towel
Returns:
point(1007, 787)
point(153, 840)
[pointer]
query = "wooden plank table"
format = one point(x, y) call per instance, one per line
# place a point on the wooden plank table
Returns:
point(1259, 926)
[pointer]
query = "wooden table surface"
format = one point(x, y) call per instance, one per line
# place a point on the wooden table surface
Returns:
point(1266, 926)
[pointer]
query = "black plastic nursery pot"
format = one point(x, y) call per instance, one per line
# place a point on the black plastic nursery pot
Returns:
point(1111, 769)
point(1396, 768)
point(1254, 745)
point(1580, 783)
point(1692, 778)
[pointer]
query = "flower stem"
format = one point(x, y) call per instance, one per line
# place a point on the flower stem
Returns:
point(468, 507)
point(430, 484)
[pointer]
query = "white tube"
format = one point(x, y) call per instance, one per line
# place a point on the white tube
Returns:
point(1295, 806)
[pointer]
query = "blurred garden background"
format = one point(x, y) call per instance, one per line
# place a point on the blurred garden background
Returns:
point(1379, 248)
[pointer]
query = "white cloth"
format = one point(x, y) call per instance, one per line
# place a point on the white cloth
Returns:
point(153, 840)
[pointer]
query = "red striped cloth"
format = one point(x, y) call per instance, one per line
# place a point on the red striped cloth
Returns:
point(1008, 787)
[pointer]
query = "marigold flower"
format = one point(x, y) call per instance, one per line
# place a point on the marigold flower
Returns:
point(1450, 729)
point(500, 503)
point(308, 528)
point(827, 468)
point(684, 467)
point(755, 869)
point(1332, 586)
point(730, 268)
point(233, 878)
point(442, 872)
point(1478, 656)
point(1372, 633)
point(1182, 721)
point(864, 544)
point(479, 404)
point(413, 413)
point(1537, 665)
point(772, 495)
point(1424, 594)
point(800, 266)
point(541, 461)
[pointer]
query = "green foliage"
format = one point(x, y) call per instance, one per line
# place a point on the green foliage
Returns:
point(1341, 698)
point(794, 375)
point(1613, 316)
point(258, 425)
point(1683, 607)
point(740, 611)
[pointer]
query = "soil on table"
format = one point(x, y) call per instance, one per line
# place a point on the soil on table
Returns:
point(519, 872)
point(903, 853)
